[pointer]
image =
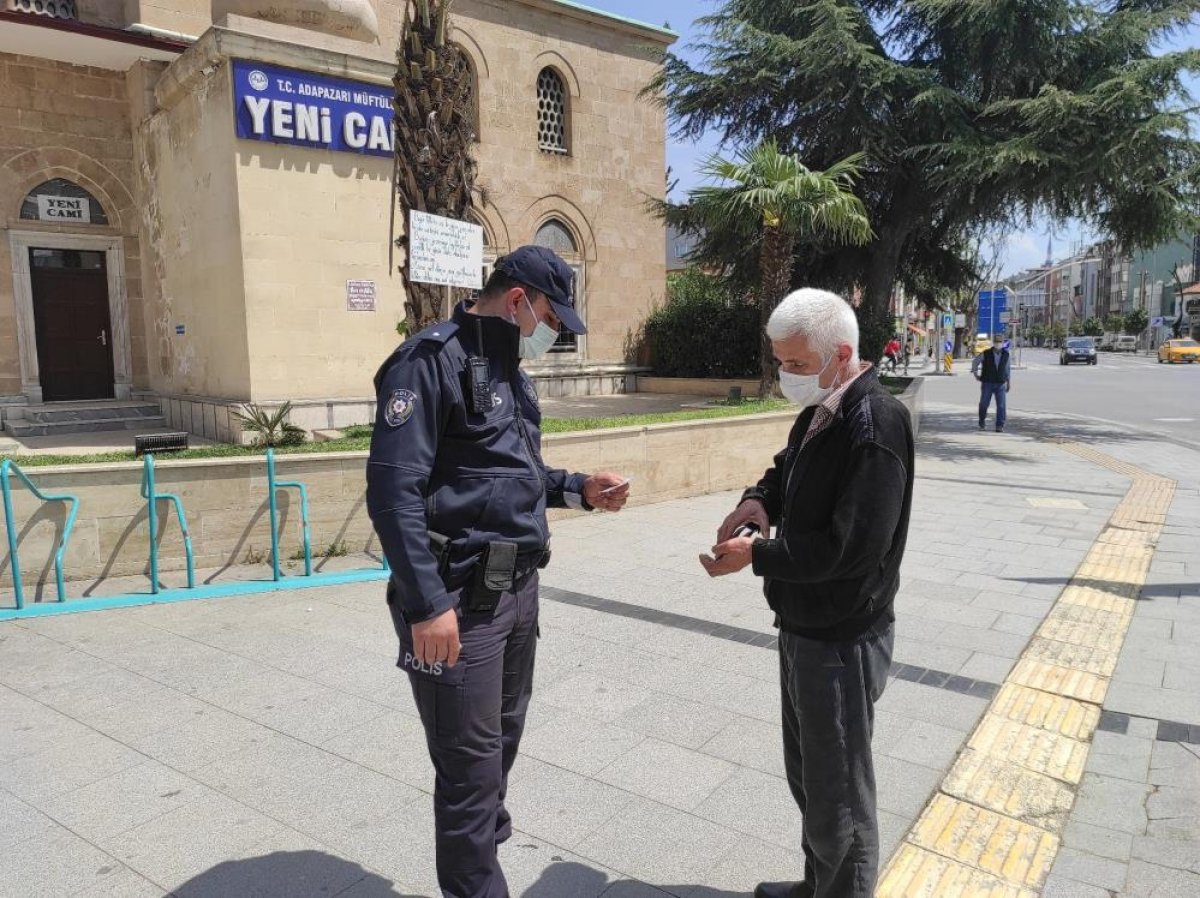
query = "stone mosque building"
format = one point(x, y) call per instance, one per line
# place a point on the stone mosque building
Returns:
point(195, 199)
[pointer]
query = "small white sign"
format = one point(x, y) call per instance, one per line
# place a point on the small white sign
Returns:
point(360, 296)
point(74, 209)
point(960, 320)
point(444, 251)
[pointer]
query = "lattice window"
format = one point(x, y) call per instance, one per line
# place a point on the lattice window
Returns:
point(552, 112)
point(556, 236)
point(55, 9)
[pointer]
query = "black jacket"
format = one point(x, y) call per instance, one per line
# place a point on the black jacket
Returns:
point(840, 508)
point(437, 465)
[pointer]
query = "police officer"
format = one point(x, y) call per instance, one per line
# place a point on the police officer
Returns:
point(458, 494)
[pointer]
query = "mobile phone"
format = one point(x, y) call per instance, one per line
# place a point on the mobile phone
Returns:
point(616, 486)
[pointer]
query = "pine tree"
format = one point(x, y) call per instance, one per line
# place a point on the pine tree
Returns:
point(969, 113)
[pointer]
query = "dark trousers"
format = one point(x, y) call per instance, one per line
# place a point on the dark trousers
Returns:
point(987, 391)
point(829, 694)
point(474, 714)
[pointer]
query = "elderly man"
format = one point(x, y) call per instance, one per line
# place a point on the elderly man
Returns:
point(839, 497)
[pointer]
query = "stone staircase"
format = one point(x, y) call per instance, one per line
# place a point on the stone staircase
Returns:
point(56, 418)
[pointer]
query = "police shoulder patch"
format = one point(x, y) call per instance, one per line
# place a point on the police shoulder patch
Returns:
point(399, 407)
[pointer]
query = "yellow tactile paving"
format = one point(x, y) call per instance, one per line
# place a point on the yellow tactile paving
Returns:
point(1031, 747)
point(1076, 684)
point(916, 873)
point(991, 831)
point(1054, 648)
point(1080, 606)
point(985, 840)
point(1105, 637)
point(1009, 789)
point(1100, 599)
point(1073, 719)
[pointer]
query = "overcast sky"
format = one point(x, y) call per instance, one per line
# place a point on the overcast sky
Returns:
point(1026, 247)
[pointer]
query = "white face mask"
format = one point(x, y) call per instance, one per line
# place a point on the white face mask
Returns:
point(540, 341)
point(804, 389)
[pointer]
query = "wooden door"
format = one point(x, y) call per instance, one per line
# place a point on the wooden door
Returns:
point(70, 316)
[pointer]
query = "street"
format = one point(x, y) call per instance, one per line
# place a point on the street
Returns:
point(1134, 391)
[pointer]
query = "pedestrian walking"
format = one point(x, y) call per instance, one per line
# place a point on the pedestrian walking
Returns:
point(839, 497)
point(993, 369)
point(457, 491)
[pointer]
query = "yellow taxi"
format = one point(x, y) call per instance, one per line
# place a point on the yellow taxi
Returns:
point(1173, 351)
point(982, 344)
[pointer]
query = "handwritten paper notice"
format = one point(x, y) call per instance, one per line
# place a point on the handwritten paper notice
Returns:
point(444, 251)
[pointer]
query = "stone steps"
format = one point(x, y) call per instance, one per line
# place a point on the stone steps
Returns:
point(54, 419)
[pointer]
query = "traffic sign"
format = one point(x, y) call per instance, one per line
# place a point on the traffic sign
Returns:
point(947, 320)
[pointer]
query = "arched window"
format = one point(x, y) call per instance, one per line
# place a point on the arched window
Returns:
point(555, 235)
point(552, 112)
point(472, 102)
point(60, 201)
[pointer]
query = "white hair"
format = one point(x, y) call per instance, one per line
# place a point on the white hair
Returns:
point(824, 318)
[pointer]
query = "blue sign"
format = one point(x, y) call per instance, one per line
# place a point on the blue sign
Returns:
point(992, 306)
point(303, 109)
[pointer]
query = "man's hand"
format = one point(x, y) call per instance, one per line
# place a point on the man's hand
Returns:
point(752, 511)
point(436, 639)
point(606, 491)
point(728, 557)
point(1007, 387)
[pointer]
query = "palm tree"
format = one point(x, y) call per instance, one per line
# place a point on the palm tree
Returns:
point(435, 133)
point(771, 201)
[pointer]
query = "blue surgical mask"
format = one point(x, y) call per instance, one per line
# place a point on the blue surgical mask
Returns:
point(540, 341)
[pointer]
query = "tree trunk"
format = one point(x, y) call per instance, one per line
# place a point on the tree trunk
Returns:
point(775, 265)
point(875, 324)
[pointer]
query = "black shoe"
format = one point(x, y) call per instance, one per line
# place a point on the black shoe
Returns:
point(999, 430)
point(982, 425)
point(782, 890)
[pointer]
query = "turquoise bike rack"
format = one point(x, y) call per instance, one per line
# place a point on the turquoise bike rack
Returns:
point(7, 468)
point(278, 583)
point(151, 495)
point(273, 486)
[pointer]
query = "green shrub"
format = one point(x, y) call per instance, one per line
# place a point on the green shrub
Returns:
point(272, 427)
point(703, 330)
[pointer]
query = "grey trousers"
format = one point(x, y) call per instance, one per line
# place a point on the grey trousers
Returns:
point(474, 715)
point(829, 693)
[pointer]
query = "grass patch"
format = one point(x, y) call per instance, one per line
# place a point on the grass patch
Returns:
point(358, 437)
point(751, 407)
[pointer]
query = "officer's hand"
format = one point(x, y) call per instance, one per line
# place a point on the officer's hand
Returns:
point(751, 511)
point(606, 491)
point(728, 556)
point(436, 639)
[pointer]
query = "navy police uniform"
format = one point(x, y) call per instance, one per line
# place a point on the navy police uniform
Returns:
point(458, 498)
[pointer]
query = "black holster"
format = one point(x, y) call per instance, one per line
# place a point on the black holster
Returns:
point(495, 574)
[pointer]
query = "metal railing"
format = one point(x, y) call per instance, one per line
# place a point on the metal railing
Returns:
point(151, 495)
point(7, 468)
point(274, 486)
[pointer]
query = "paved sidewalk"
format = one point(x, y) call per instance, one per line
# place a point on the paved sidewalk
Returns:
point(267, 746)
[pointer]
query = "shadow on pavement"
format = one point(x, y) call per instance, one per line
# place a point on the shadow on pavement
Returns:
point(569, 878)
point(1148, 591)
point(289, 874)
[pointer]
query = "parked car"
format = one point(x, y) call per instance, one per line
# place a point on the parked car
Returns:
point(1078, 349)
point(1125, 343)
point(1173, 351)
point(1108, 342)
